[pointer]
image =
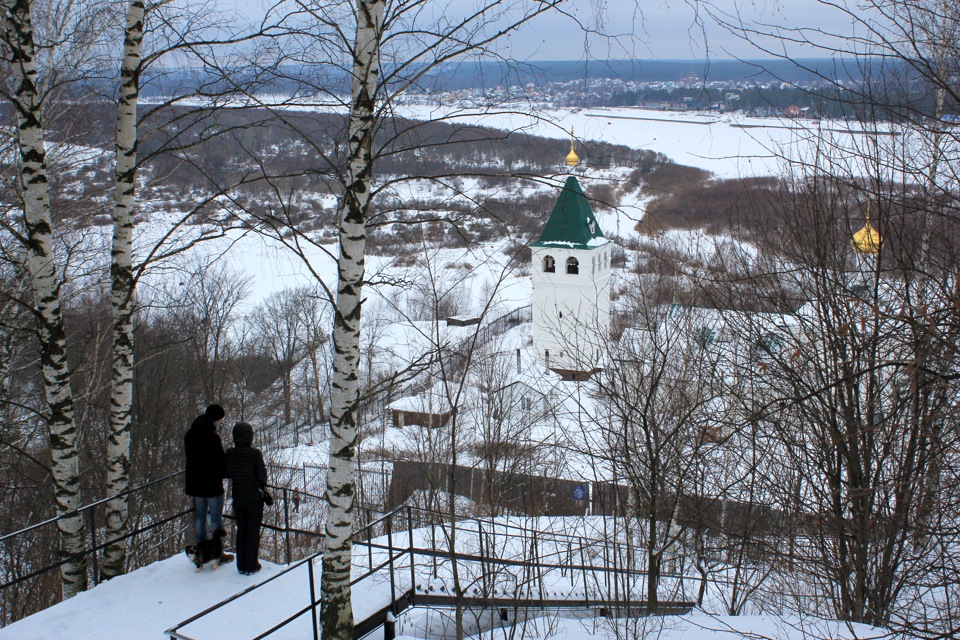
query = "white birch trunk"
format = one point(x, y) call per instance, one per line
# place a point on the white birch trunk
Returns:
point(122, 287)
point(337, 614)
point(65, 467)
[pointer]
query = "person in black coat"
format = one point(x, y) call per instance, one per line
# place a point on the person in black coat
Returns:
point(205, 470)
point(248, 475)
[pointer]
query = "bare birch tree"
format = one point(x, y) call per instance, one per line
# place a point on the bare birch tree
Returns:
point(20, 51)
point(122, 294)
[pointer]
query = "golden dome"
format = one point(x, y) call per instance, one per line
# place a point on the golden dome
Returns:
point(867, 240)
point(572, 158)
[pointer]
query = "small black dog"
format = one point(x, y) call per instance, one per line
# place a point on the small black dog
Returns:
point(207, 550)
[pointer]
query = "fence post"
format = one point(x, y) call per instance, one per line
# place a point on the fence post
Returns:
point(92, 523)
point(583, 569)
point(536, 559)
point(286, 523)
point(483, 561)
point(433, 544)
point(615, 578)
point(313, 600)
point(606, 574)
point(393, 591)
point(369, 538)
point(413, 578)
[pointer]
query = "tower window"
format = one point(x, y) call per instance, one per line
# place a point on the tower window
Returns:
point(549, 265)
point(573, 266)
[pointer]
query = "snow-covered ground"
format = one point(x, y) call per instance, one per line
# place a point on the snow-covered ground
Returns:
point(696, 626)
point(147, 602)
point(729, 146)
point(143, 604)
point(140, 605)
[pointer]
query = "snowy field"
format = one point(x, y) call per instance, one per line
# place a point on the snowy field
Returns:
point(729, 146)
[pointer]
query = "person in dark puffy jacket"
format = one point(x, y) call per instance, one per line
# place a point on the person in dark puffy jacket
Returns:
point(205, 470)
point(248, 475)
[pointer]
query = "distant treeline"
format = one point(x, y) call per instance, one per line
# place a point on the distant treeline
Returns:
point(826, 103)
point(473, 74)
point(465, 75)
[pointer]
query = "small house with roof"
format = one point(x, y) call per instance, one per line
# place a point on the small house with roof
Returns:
point(429, 409)
point(529, 392)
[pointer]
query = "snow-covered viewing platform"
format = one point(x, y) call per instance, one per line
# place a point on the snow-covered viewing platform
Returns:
point(541, 577)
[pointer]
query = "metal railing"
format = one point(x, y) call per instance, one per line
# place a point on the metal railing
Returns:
point(385, 521)
point(602, 569)
point(30, 553)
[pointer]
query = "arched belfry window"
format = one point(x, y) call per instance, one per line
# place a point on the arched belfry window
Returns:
point(549, 265)
point(573, 266)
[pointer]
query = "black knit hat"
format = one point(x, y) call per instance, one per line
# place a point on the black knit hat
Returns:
point(215, 412)
point(242, 434)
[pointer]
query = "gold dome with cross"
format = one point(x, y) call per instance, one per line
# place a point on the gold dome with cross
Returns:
point(867, 240)
point(572, 158)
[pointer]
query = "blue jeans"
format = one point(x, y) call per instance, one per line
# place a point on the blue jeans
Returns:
point(213, 507)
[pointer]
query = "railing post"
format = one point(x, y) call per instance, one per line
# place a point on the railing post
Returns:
point(313, 600)
point(393, 589)
point(433, 544)
point(92, 523)
point(286, 523)
point(615, 578)
point(368, 536)
point(390, 627)
point(536, 559)
point(413, 578)
point(483, 561)
point(583, 569)
point(606, 574)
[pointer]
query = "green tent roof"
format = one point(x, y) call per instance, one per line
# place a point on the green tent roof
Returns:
point(572, 221)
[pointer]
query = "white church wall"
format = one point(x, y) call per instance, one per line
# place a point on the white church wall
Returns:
point(571, 312)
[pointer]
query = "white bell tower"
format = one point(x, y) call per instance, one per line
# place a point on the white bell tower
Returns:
point(571, 287)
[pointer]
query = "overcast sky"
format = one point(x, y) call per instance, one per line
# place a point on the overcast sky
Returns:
point(647, 29)
point(669, 30)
